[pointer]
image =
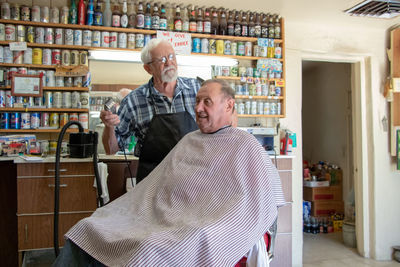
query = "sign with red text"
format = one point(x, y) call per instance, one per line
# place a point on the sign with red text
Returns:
point(180, 41)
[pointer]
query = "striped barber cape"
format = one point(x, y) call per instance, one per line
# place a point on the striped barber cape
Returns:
point(206, 204)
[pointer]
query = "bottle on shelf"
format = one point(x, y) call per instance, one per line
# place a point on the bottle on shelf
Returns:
point(147, 17)
point(231, 24)
point(238, 24)
point(271, 28)
point(170, 11)
point(155, 19)
point(185, 18)
point(223, 25)
point(81, 13)
point(252, 25)
point(178, 20)
point(277, 27)
point(107, 14)
point(140, 16)
point(124, 16)
point(73, 13)
point(98, 14)
point(257, 26)
point(264, 26)
point(192, 20)
point(90, 13)
point(131, 15)
point(214, 22)
point(163, 19)
point(199, 22)
point(116, 16)
point(245, 26)
point(207, 22)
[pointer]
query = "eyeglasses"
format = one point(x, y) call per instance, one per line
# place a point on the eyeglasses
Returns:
point(164, 59)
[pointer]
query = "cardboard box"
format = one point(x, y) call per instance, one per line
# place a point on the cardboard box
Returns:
point(325, 208)
point(323, 193)
point(337, 225)
point(316, 183)
point(336, 176)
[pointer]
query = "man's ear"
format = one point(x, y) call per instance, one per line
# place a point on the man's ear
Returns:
point(230, 105)
point(147, 69)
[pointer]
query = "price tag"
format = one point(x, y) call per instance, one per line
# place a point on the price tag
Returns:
point(18, 46)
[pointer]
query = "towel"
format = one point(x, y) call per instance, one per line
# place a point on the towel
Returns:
point(103, 173)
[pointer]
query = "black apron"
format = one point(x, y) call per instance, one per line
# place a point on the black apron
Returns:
point(164, 132)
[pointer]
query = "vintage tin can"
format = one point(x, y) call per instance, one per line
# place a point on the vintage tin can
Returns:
point(139, 41)
point(75, 99)
point(15, 12)
point(87, 38)
point(46, 56)
point(30, 34)
point(78, 81)
point(113, 39)
point(54, 15)
point(68, 82)
point(105, 39)
point(39, 35)
point(54, 120)
point(263, 50)
point(204, 45)
point(212, 46)
point(2, 32)
point(217, 70)
point(45, 119)
point(225, 71)
point(43, 73)
point(131, 41)
point(8, 55)
point(2, 98)
point(253, 109)
point(35, 14)
point(2, 56)
point(30, 101)
point(49, 36)
point(56, 57)
point(73, 117)
point(227, 47)
point(22, 70)
point(69, 36)
point(233, 71)
point(15, 120)
point(83, 58)
point(59, 81)
point(21, 33)
point(59, 36)
point(196, 45)
point(234, 49)
point(77, 37)
point(5, 10)
point(35, 120)
point(50, 78)
point(48, 99)
point(267, 109)
point(84, 99)
point(74, 58)
point(9, 99)
point(45, 14)
point(64, 15)
point(25, 120)
point(38, 101)
point(146, 39)
point(37, 56)
point(28, 55)
point(256, 51)
point(19, 100)
point(63, 119)
point(84, 120)
point(241, 49)
point(57, 100)
point(18, 57)
point(220, 47)
point(248, 46)
point(258, 89)
point(66, 99)
point(122, 40)
point(260, 107)
point(10, 32)
point(5, 120)
point(65, 57)
point(96, 39)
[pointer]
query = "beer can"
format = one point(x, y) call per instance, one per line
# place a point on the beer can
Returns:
point(9, 99)
point(253, 108)
point(238, 89)
point(38, 101)
point(50, 78)
point(258, 89)
point(66, 99)
point(59, 81)
point(204, 45)
point(74, 58)
point(105, 39)
point(15, 120)
point(196, 45)
point(234, 48)
point(11, 72)
point(65, 57)
point(10, 32)
point(227, 47)
point(45, 14)
point(84, 120)
point(5, 10)
point(56, 57)
point(43, 73)
point(122, 40)
point(278, 108)
point(64, 15)
point(83, 58)
point(54, 120)
point(87, 38)
point(77, 37)
point(139, 41)
point(22, 70)
point(57, 100)
point(78, 81)
point(35, 14)
point(46, 56)
point(241, 49)
point(146, 39)
point(273, 108)
point(113, 39)
point(75, 99)
point(63, 119)
point(247, 107)
point(225, 71)
point(260, 108)
point(267, 109)
point(217, 70)
point(59, 36)
point(96, 39)
point(52, 147)
point(278, 91)
point(37, 56)
point(28, 55)
point(25, 120)
point(21, 33)
point(68, 82)
point(30, 34)
point(18, 57)
point(69, 36)
point(25, 13)
point(219, 47)
point(5, 120)
point(8, 55)
point(131, 41)
point(49, 36)
point(29, 101)
point(45, 119)
point(248, 49)
point(35, 120)
point(84, 99)
point(39, 35)
point(2, 98)
point(2, 55)
point(54, 15)
point(256, 51)
point(15, 12)
point(2, 32)
point(73, 117)
point(233, 71)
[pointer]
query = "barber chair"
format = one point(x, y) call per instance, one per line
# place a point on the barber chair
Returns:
point(269, 238)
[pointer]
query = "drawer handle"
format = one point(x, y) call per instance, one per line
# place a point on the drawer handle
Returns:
point(26, 233)
point(53, 170)
point(61, 185)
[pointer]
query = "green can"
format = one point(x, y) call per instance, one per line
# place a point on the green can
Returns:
point(242, 71)
point(234, 48)
point(252, 89)
point(240, 49)
point(233, 71)
point(256, 73)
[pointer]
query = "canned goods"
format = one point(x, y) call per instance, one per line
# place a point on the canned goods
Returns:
point(68, 82)
point(273, 108)
point(59, 36)
point(196, 44)
point(247, 107)
point(249, 72)
point(87, 38)
point(50, 78)
point(35, 120)
point(69, 36)
point(66, 99)
point(131, 41)
point(217, 70)
point(278, 108)
point(57, 100)
point(73, 117)
point(5, 11)
point(278, 91)
point(227, 47)
point(139, 41)
point(253, 108)
point(54, 120)
point(234, 48)
point(44, 14)
point(83, 58)
point(204, 45)
point(220, 47)
point(8, 55)
point(56, 57)
point(248, 49)
point(78, 81)
point(225, 71)
point(233, 71)
point(212, 48)
point(75, 99)
point(258, 89)
point(84, 120)
point(45, 120)
point(5, 120)
point(260, 107)
point(84, 99)
point(77, 37)
point(49, 36)
point(18, 57)
point(74, 58)
point(2, 98)
point(21, 33)
point(2, 32)
point(65, 57)
point(147, 38)
point(63, 119)
point(256, 51)
point(38, 101)
point(9, 99)
point(39, 35)
point(14, 12)
point(263, 51)
point(22, 70)
point(35, 14)
point(64, 15)
point(37, 56)
point(46, 56)
point(54, 15)
point(43, 73)
point(105, 39)
point(122, 40)
point(52, 147)
point(28, 55)
point(241, 109)
point(1, 54)
point(59, 81)
point(241, 49)
point(15, 120)
point(96, 39)
point(267, 109)
point(30, 34)
point(113, 39)
point(10, 32)
point(25, 120)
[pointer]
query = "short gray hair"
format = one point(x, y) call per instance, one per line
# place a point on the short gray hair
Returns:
point(226, 89)
point(146, 51)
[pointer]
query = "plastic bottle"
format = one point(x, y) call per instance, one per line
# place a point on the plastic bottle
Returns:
point(81, 13)
point(90, 13)
point(107, 15)
point(73, 13)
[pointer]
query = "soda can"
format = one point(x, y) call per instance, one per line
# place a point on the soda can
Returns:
point(39, 35)
point(204, 45)
point(196, 45)
point(28, 56)
point(87, 38)
point(10, 32)
point(105, 39)
point(43, 73)
point(63, 119)
point(5, 120)
point(240, 49)
point(45, 14)
point(56, 57)
point(22, 70)
point(122, 40)
point(248, 49)
point(50, 78)
point(1, 54)
point(75, 99)
point(69, 36)
point(35, 14)
point(9, 99)
point(83, 58)
point(59, 36)
point(84, 120)
point(21, 33)
point(37, 56)
point(2, 32)
point(64, 15)
point(59, 81)
point(220, 47)
point(66, 99)
point(227, 47)
point(8, 55)
point(113, 39)
point(49, 36)
point(84, 100)
point(14, 12)
point(25, 120)
point(96, 39)
point(234, 48)
point(73, 117)
point(35, 120)
point(45, 120)
point(68, 82)
point(30, 34)
point(65, 57)
point(2, 98)
point(57, 100)
point(139, 41)
point(77, 37)
point(146, 39)
point(46, 56)
point(15, 120)
point(18, 57)
point(54, 15)
point(38, 101)
point(131, 41)
point(54, 120)
point(74, 58)
point(78, 81)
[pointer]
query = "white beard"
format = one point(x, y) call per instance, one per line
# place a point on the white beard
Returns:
point(169, 74)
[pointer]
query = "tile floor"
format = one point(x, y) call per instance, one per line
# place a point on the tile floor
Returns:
point(328, 250)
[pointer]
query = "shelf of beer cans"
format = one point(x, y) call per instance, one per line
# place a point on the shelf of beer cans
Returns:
point(38, 109)
point(39, 130)
point(46, 88)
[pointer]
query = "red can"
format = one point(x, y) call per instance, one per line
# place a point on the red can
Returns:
point(56, 57)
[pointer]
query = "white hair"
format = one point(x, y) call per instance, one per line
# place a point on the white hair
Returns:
point(146, 51)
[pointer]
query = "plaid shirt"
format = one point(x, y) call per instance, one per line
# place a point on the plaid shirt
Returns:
point(136, 109)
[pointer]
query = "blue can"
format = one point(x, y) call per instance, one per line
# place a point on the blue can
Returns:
point(147, 38)
point(5, 120)
point(15, 120)
point(196, 45)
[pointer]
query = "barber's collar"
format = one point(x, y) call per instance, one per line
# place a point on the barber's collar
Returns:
point(220, 129)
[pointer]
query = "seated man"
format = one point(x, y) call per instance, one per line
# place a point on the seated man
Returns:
point(206, 204)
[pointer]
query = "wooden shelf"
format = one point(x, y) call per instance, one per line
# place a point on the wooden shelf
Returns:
point(32, 109)
point(259, 97)
point(38, 130)
point(237, 57)
point(239, 78)
point(28, 66)
point(260, 116)
point(52, 46)
point(46, 88)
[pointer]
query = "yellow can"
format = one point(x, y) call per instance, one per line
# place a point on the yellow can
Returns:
point(220, 47)
point(37, 55)
point(54, 120)
point(63, 119)
point(52, 147)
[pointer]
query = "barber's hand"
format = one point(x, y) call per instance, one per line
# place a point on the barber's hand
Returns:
point(109, 119)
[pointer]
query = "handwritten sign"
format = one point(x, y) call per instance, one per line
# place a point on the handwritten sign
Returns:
point(18, 46)
point(72, 71)
point(26, 85)
point(180, 41)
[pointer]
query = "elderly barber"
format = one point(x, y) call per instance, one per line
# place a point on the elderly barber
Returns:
point(158, 113)
point(207, 203)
